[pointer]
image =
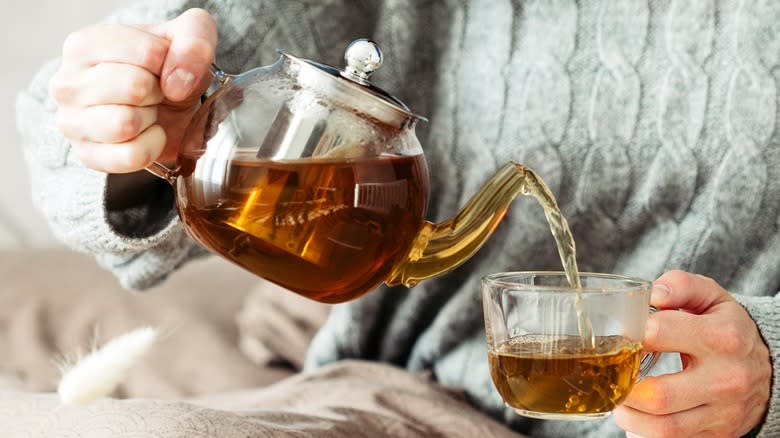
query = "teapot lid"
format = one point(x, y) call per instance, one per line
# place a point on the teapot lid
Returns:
point(351, 86)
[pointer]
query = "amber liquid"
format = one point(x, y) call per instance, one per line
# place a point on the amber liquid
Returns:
point(535, 186)
point(561, 376)
point(330, 230)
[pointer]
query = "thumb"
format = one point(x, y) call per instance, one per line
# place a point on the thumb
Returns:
point(193, 37)
point(690, 292)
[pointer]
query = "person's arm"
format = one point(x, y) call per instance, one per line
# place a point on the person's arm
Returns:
point(127, 220)
point(72, 199)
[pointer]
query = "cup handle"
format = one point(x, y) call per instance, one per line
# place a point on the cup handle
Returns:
point(220, 79)
point(647, 363)
point(162, 171)
point(649, 359)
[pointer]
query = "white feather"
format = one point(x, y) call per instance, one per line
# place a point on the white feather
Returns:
point(100, 372)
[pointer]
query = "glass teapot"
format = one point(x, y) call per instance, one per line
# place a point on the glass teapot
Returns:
point(313, 178)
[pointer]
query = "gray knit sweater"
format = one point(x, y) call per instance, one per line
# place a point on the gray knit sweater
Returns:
point(654, 123)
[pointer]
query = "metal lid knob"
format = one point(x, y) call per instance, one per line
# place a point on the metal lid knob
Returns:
point(362, 57)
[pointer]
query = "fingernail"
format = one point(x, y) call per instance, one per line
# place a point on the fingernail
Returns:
point(182, 81)
point(659, 292)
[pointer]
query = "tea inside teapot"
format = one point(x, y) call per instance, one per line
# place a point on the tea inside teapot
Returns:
point(328, 229)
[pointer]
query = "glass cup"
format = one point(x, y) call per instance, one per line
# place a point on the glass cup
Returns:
point(541, 364)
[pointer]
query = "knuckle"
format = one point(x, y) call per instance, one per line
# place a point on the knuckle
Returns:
point(64, 124)
point(128, 123)
point(142, 151)
point(60, 89)
point(138, 157)
point(139, 88)
point(86, 158)
point(153, 53)
point(72, 46)
point(705, 279)
point(729, 340)
point(75, 44)
point(143, 159)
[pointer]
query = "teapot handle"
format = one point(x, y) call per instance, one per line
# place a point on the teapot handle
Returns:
point(219, 75)
point(220, 79)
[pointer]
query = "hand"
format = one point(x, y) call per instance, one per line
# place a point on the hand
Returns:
point(126, 94)
point(723, 388)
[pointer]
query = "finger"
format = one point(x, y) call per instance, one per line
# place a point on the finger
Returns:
point(100, 43)
point(663, 329)
point(682, 290)
point(126, 157)
point(193, 37)
point(686, 423)
point(105, 123)
point(669, 393)
point(107, 83)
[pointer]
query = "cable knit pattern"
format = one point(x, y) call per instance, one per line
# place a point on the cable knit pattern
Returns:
point(538, 96)
point(682, 104)
point(621, 32)
point(750, 122)
point(653, 121)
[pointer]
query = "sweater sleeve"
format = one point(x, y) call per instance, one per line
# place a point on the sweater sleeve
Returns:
point(140, 244)
point(765, 311)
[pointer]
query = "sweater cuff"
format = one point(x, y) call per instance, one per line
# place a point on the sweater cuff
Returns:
point(148, 241)
point(73, 200)
point(763, 310)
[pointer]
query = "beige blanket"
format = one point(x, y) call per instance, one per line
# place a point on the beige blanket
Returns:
point(55, 304)
point(348, 399)
point(226, 366)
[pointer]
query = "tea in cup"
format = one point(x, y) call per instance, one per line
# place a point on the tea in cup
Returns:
point(540, 362)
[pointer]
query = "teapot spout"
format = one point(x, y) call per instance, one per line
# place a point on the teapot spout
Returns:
point(439, 248)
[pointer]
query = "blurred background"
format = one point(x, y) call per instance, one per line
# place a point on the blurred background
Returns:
point(31, 32)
